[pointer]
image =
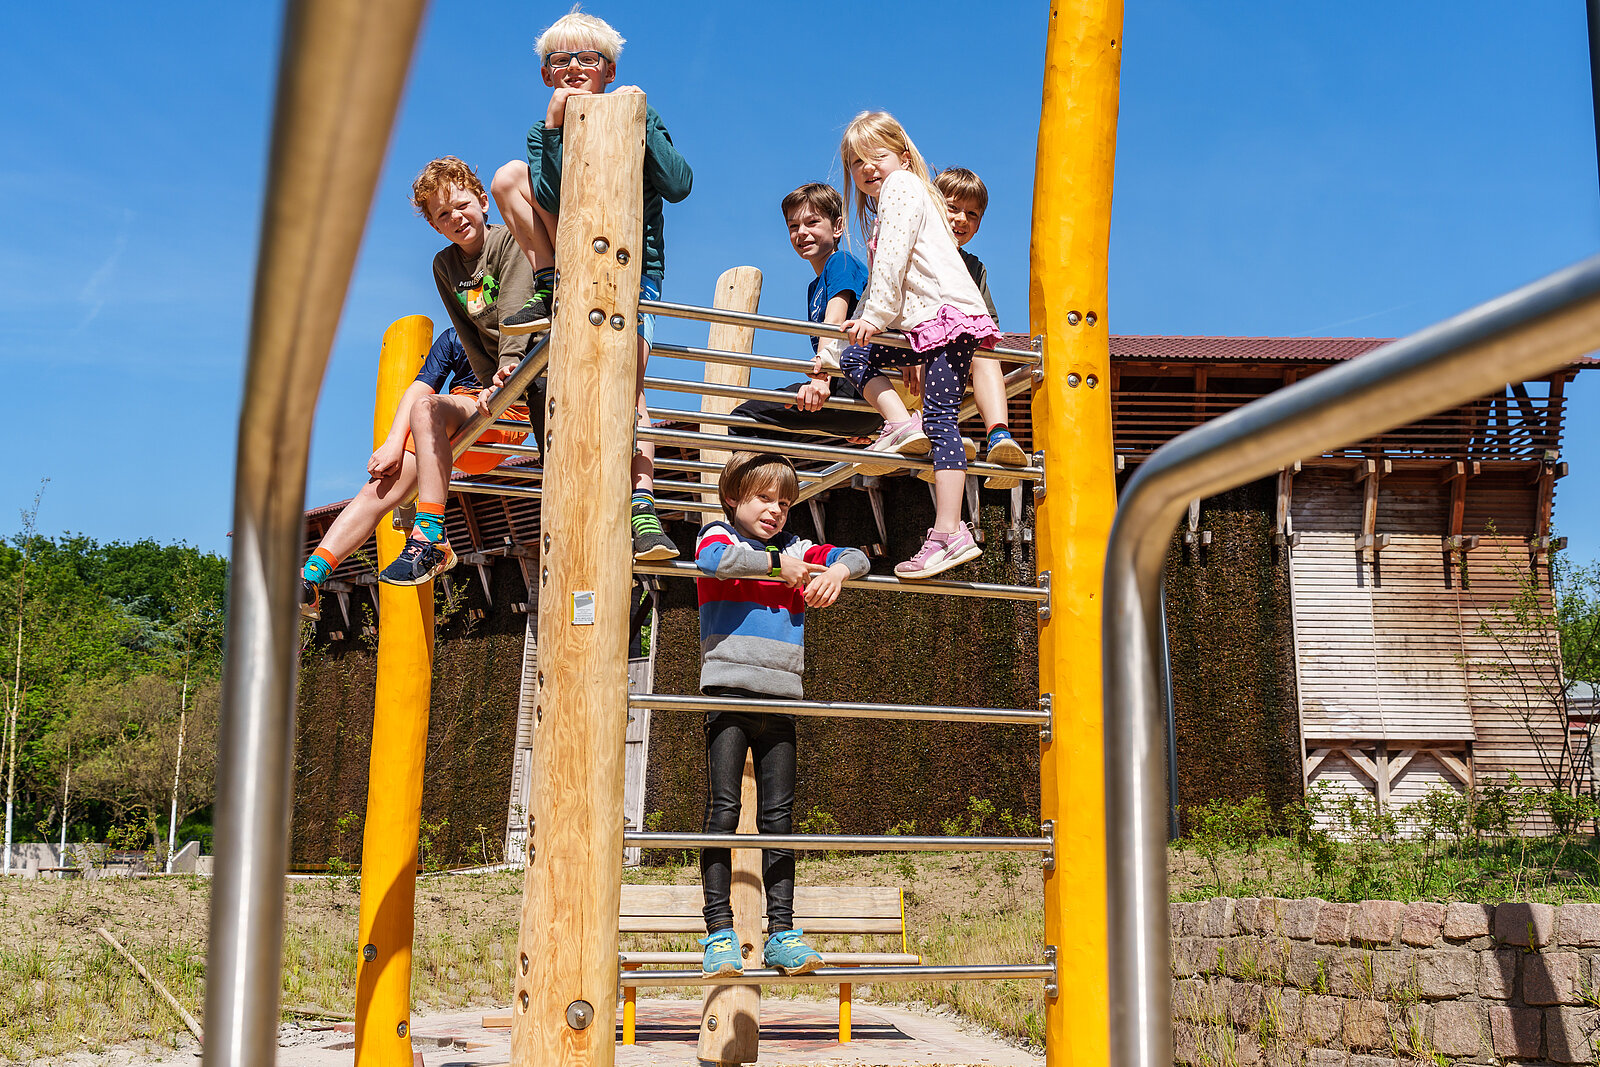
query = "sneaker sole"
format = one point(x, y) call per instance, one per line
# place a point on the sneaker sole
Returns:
point(657, 552)
point(449, 562)
point(726, 970)
point(807, 967)
point(997, 481)
point(1012, 456)
point(525, 327)
point(966, 556)
point(314, 616)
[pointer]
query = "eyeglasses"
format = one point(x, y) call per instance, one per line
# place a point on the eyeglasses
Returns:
point(563, 60)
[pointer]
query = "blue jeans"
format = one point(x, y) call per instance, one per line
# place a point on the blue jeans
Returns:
point(649, 289)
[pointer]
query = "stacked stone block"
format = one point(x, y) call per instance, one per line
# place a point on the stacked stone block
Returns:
point(1314, 983)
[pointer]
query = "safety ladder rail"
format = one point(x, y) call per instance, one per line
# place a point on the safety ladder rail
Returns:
point(1039, 594)
point(778, 324)
point(1524, 334)
point(967, 972)
point(748, 392)
point(532, 365)
point(657, 839)
point(799, 450)
point(843, 709)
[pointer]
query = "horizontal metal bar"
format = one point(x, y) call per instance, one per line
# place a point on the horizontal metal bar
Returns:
point(841, 709)
point(838, 453)
point(756, 320)
point(719, 419)
point(971, 972)
point(880, 582)
point(746, 359)
point(747, 392)
point(491, 489)
point(836, 842)
point(532, 365)
point(716, 468)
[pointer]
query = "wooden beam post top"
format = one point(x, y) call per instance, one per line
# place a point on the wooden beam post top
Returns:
point(565, 973)
point(738, 289)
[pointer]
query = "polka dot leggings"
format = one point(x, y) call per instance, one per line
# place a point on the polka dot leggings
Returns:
point(944, 380)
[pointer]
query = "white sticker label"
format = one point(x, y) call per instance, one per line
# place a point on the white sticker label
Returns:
point(583, 607)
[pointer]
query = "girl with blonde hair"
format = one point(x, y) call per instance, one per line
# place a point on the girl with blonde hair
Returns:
point(918, 285)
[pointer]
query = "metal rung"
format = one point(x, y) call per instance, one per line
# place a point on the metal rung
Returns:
point(837, 842)
point(745, 392)
point(890, 339)
point(880, 582)
point(491, 489)
point(719, 419)
point(998, 972)
point(1021, 716)
point(716, 468)
point(797, 450)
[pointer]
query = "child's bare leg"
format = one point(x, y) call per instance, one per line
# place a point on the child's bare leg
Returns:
point(643, 470)
point(362, 515)
point(989, 390)
point(880, 393)
point(531, 225)
point(948, 487)
point(434, 420)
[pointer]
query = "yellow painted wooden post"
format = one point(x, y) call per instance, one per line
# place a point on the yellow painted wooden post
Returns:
point(564, 998)
point(399, 741)
point(1072, 426)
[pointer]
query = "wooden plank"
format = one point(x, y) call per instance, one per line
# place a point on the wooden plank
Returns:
point(738, 289)
point(819, 924)
point(730, 1015)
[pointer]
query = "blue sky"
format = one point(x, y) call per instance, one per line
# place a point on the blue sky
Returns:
point(1363, 168)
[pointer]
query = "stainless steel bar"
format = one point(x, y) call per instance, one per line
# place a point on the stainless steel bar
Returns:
point(881, 582)
point(719, 419)
point(826, 479)
point(969, 972)
point(841, 709)
point(716, 468)
point(746, 392)
point(327, 149)
point(837, 842)
point(756, 320)
point(532, 365)
point(1524, 334)
point(533, 492)
point(797, 450)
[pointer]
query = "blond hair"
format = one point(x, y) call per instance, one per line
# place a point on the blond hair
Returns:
point(577, 31)
point(440, 174)
point(959, 183)
point(747, 473)
point(879, 129)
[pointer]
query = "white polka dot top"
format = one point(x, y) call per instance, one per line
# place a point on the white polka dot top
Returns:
point(916, 267)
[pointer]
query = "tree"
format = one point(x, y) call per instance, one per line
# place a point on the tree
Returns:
point(14, 702)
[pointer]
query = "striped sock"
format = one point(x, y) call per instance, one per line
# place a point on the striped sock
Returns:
point(319, 566)
point(544, 282)
point(998, 432)
point(643, 514)
point(430, 521)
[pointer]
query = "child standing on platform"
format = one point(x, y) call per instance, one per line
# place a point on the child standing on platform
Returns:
point(919, 285)
point(758, 581)
point(578, 57)
point(967, 198)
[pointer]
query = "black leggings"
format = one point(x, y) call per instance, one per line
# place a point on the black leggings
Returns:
point(729, 735)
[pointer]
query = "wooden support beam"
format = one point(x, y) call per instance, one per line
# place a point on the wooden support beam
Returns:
point(564, 976)
point(1314, 760)
point(1546, 494)
point(1380, 775)
point(1361, 762)
point(738, 289)
point(730, 1015)
point(1283, 524)
point(1369, 472)
point(1457, 767)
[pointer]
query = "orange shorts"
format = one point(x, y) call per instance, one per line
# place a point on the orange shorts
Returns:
point(473, 461)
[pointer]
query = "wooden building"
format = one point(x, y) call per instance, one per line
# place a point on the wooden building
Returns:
point(1345, 625)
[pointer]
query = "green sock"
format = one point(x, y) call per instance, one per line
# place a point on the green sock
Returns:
point(644, 514)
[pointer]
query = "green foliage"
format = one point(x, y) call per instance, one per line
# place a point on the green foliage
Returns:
point(428, 850)
point(1222, 825)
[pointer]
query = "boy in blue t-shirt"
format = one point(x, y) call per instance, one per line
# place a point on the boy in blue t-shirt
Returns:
point(815, 215)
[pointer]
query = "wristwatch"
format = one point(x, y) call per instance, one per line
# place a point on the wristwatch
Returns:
point(776, 559)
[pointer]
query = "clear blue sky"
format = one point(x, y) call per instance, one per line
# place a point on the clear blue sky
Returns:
point(1362, 168)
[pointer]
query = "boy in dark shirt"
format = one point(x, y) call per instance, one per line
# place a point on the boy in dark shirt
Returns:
point(814, 214)
point(578, 57)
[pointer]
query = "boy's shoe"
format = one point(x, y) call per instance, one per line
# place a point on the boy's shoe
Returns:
point(650, 541)
point(904, 438)
point(789, 954)
point(310, 599)
point(419, 561)
point(1006, 452)
point(722, 954)
point(939, 553)
point(532, 317)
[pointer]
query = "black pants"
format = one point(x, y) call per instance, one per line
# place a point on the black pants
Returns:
point(782, 419)
point(729, 735)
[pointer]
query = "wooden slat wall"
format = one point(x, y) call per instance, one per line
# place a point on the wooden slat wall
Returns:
point(1422, 680)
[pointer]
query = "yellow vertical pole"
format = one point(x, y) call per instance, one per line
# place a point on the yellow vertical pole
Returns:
point(399, 741)
point(1072, 426)
point(564, 981)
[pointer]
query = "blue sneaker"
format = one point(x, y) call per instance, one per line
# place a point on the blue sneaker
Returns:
point(789, 954)
point(722, 954)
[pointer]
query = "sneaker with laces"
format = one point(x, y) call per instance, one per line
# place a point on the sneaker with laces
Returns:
point(650, 541)
point(532, 317)
point(789, 954)
point(310, 599)
point(418, 561)
point(722, 954)
point(940, 552)
point(898, 438)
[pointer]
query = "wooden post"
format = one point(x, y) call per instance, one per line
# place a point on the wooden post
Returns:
point(738, 289)
point(1072, 427)
point(730, 1016)
point(564, 998)
point(399, 742)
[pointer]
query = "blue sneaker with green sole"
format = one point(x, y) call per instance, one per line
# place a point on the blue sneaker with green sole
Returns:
point(722, 954)
point(788, 953)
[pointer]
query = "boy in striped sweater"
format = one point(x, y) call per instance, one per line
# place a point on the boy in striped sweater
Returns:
point(758, 581)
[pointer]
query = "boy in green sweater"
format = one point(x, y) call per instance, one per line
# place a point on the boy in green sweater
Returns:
point(578, 57)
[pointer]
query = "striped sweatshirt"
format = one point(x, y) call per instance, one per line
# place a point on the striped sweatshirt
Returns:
point(752, 628)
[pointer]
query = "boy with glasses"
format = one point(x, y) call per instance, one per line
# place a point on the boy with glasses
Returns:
point(578, 57)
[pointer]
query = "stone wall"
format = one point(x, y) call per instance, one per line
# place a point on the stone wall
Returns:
point(1310, 983)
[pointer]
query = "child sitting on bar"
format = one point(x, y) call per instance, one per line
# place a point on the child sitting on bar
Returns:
point(758, 581)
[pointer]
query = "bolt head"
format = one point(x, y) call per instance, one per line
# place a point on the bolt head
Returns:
point(622, 256)
point(1073, 318)
point(369, 953)
point(402, 1029)
point(597, 316)
point(580, 1013)
point(1072, 381)
point(618, 322)
point(601, 244)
